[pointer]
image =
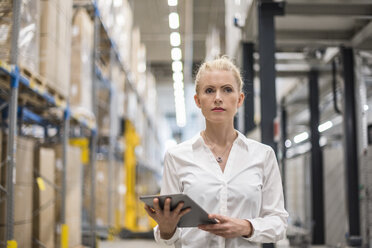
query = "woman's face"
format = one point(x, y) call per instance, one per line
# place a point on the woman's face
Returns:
point(218, 96)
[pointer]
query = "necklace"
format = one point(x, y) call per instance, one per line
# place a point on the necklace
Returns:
point(219, 159)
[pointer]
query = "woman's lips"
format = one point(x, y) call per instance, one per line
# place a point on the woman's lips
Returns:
point(218, 109)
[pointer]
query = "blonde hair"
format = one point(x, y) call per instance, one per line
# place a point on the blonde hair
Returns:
point(219, 64)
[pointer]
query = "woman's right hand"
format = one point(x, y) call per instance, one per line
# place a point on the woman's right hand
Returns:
point(166, 219)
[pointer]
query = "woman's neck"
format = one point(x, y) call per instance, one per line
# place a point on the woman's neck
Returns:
point(220, 134)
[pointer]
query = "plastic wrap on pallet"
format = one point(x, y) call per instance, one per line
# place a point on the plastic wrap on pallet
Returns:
point(136, 43)
point(55, 44)
point(28, 41)
point(121, 31)
point(81, 60)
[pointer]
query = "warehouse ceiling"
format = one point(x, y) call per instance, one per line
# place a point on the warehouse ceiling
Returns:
point(307, 35)
point(307, 26)
point(151, 16)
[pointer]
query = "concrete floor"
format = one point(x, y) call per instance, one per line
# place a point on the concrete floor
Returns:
point(129, 244)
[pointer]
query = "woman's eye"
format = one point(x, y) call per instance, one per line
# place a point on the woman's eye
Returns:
point(209, 90)
point(228, 89)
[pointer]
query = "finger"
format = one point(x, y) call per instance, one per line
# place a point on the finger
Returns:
point(219, 218)
point(185, 211)
point(156, 205)
point(167, 205)
point(179, 207)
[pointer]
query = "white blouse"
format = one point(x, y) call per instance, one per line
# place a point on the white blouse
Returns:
point(249, 188)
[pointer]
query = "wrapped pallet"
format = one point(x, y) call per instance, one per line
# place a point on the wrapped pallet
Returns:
point(136, 44)
point(81, 61)
point(55, 44)
point(73, 192)
point(28, 41)
point(23, 188)
point(44, 198)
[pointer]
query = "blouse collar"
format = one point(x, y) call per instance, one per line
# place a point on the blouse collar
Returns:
point(197, 140)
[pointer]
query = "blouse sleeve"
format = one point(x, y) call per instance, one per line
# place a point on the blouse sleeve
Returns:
point(271, 224)
point(170, 185)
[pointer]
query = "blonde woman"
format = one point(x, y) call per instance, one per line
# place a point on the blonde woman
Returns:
point(234, 178)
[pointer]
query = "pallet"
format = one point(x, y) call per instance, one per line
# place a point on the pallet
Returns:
point(40, 85)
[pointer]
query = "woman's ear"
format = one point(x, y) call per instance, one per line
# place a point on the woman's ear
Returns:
point(241, 99)
point(197, 101)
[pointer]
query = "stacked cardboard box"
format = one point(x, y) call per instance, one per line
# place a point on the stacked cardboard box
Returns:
point(55, 43)
point(23, 188)
point(28, 41)
point(122, 29)
point(44, 223)
point(136, 44)
point(102, 181)
point(81, 61)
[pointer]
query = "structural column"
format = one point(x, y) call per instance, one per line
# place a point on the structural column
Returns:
point(317, 188)
point(12, 143)
point(351, 152)
point(248, 77)
point(266, 30)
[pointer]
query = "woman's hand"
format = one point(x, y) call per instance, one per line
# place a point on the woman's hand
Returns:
point(228, 227)
point(166, 219)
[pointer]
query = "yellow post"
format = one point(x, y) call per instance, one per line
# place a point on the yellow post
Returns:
point(131, 141)
point(11, 244)
point(64, 236)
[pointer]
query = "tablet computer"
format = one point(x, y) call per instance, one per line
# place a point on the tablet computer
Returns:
point(195, 217)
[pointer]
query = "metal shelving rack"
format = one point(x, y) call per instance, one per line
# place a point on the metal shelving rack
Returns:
point(100, 80)
point(17, 80)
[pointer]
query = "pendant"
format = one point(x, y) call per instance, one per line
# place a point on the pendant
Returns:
point(219, 159)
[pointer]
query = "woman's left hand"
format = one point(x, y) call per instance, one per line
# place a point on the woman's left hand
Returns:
point(228, 227)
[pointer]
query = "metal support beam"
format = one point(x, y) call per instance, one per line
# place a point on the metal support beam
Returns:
point(266, 33)
point(351, 153)
point(65, 138)
point(92, 159)
point(248, 76)
point(111, 145)
point(13, 106)
point(94, 134)
point(317, 188)
point(266, 29)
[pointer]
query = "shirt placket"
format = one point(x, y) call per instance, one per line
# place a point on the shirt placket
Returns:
point(223, 205)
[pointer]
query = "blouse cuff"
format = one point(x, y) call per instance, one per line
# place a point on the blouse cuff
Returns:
point(167, 242)
point(254, 232)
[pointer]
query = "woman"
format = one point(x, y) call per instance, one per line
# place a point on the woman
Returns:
point(235, 178)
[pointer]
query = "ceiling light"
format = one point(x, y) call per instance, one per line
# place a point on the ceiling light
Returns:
point(176, 53)
point(288, 143)
point(174, 20)
point(177, 66)
point(178, 85)
point(175, 39)
point(177, 76)
point(366, 107)
point(301, 137)
point(172, 2)
point(325, 126)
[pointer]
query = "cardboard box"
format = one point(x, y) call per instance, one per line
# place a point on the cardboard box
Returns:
point(23, 188)
point(55, 44)
point(44, 197)
point(81, 60)
point(28, 41)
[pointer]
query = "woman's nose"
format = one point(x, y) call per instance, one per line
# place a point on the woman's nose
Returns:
point(218, 96)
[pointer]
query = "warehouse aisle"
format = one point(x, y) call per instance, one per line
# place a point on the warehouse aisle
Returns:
point(129, 244)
